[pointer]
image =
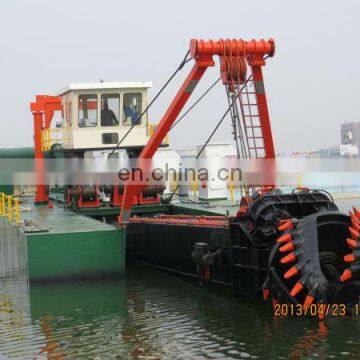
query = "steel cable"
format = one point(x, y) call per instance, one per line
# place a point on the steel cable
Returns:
point(182, 64)
point(196, 102)
point(214, 131)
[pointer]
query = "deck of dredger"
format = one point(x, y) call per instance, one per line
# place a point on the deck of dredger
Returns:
point(56, 220)
point(179, 205)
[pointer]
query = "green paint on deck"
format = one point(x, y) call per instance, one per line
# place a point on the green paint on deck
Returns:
point(60, 220)
point(62, 244)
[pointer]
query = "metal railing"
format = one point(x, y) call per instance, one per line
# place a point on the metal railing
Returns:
point(10, 208)
point(151, 128)
point(53, 136)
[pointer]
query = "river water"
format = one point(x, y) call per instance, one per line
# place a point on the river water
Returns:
point(152, 315)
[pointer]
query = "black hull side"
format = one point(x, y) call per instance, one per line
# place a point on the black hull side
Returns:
point(169, 247)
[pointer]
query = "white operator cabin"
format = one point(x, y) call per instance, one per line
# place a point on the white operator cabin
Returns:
point(98, 115)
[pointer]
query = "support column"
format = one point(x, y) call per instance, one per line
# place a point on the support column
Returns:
point(42, 196)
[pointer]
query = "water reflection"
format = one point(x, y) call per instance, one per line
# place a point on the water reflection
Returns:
point(150, 315)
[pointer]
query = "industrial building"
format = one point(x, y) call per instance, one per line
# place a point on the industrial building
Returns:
point(350, 139)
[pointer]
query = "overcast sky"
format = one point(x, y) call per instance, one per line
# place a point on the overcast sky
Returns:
point(312, 82)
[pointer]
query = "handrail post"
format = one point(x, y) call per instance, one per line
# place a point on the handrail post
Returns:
point(9, 208)
point(3, 204)
point(232, 190)
point(17, 211)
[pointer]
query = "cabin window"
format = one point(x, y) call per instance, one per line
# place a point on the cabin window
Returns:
point(110, 138)
point(132, 109)
point(110, 109)
point(87, 111)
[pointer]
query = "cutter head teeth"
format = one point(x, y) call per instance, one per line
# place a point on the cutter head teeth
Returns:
point(284, 238)
point(308, 300)
point(354, 217)
point(349, 257)
point(297, 288)
point(291, 272)
point(351, 243)
point(355, 225)
point(288, 258)
point(354, 234)
point(346, 275)
point(287, 247)
point(286, 226)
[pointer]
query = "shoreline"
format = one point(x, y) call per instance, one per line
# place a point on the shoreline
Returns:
point(346, 195)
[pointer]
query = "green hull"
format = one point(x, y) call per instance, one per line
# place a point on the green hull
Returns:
point(58, 244)
point(75, 256)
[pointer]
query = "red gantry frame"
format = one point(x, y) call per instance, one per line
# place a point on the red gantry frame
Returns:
point(234, 56)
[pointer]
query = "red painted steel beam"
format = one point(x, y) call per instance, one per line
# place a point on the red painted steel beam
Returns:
point(46, 102)
point(184, 216)
point(41, 189)
point(179, 221)
point(232, 47)
point(48, 105)
point(43, 112)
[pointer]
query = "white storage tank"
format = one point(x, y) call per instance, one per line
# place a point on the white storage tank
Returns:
point(213, 157)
